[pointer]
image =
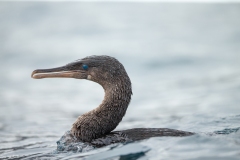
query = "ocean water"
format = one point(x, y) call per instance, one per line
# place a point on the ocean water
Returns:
point(183, 60)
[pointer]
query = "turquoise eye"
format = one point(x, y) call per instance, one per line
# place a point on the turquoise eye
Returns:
point(85, 67)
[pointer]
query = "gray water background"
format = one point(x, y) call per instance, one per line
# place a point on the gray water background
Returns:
point(183, 60)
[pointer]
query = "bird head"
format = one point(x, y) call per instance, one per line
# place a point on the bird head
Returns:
point(100, 69)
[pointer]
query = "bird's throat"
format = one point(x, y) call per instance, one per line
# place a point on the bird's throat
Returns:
point(115, 104)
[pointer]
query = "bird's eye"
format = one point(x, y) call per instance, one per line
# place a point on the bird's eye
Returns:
point(85, 67)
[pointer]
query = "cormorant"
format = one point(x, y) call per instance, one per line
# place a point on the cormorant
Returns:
point(95, 127)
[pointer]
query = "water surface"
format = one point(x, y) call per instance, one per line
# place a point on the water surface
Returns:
point(183, 60)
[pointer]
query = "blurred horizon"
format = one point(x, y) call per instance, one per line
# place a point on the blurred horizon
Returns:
point(137, 1)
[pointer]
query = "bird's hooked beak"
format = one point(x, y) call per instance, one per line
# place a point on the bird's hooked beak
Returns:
point(59, 72)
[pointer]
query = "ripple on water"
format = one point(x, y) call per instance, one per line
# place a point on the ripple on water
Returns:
point(227, 131)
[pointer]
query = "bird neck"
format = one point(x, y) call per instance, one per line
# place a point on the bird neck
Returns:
point(116, 100)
